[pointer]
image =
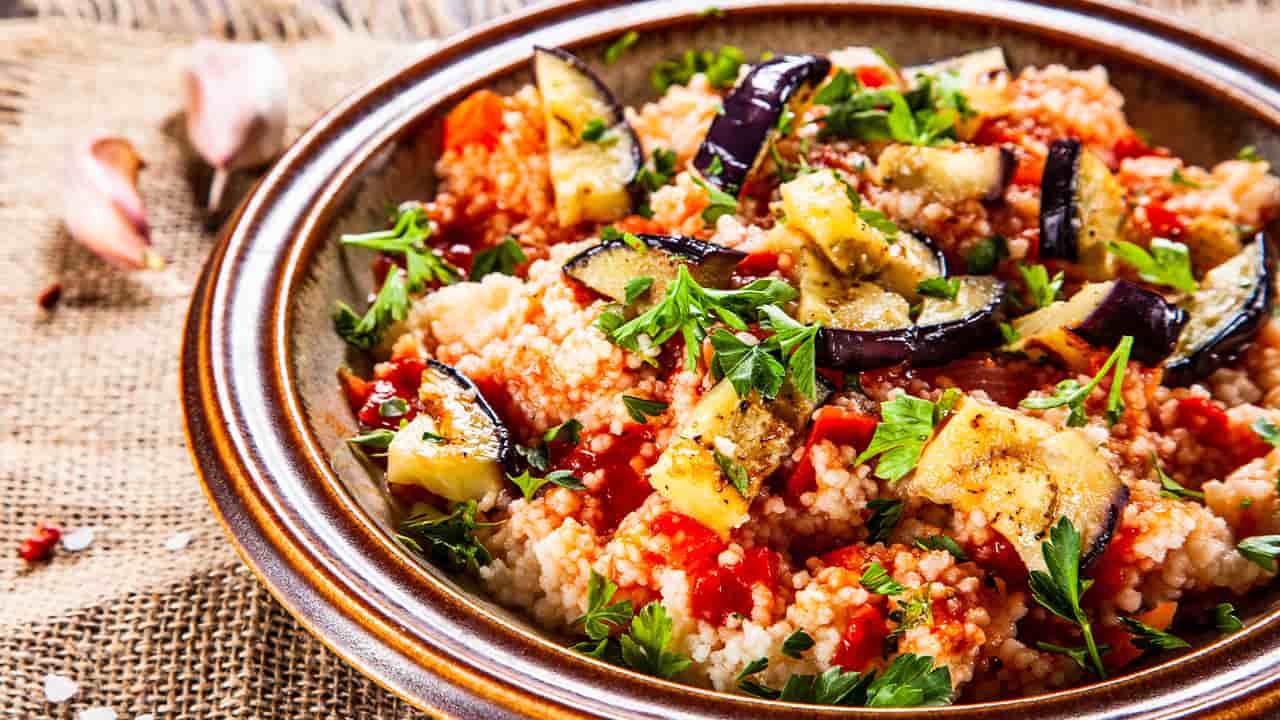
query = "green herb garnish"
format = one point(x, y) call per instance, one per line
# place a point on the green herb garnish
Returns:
point(1072, 394)
point(447, 540)
point(636, 288)
point(408, 238)
point(715, 167)
point(393, 407)
point(529, 484)
point(1171, 488)
point(796, 644)
point(878, 580)
point(374, 439)
point(733, 471)
point(942, 542)
point(1043, 290)
point(501, 258)
point(620, 46)
point(428, 436)
point(1261, 550)
point(644, 647)
point(797, 344)
point(927, 115)
point(906, 423)
point(1249, 153)
point(601, 616)
point(885, 514)
point(1266, 430)
point(939, 287)
point(1225, 619)
point(1060, 589)
point(720, 67)
point(1149, 639)
point(1177, 178)
point(986, 254)
point(1168, 263)
point(641, 409)
point(721, 202)
point(909, 681)
point(1009, 334)
point(594, 130)
point(389, 307)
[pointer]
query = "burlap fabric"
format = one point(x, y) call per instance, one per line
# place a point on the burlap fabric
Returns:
point(90, 432)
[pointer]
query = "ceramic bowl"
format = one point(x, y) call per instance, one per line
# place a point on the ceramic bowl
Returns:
point(266, 421)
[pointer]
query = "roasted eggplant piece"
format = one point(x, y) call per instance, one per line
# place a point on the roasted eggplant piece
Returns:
point(1231, 306)
point(594, 153)
point(750, 434)
point(818, 205)
point(608, 267)
point(1023, 474)
point(457, 446)
point(947, 329)
point(982, 75)
point(739, 136)
point(1099, 315)
point(1211, 241)
point(951, 174)
point(1082, 209)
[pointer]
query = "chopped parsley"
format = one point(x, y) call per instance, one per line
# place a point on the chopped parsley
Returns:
point(986, 254)
point(644, 646)
point(620, 46)
point(1249, 153)
point(641, 409)
point(1171, 488)
point(1060, 589)
point(942, 542)
point(796, 644)
point(719, 202)
point(636, 288)
point(393, 407)
point(501, 258)
point(374, 439)
point(885, 514)
point(878, 580)
point(906, 423)
point(786, 121)
point(939, 287)
point(1009, 334)
point(797, 345)
point(428, 436)
point(536, 457)
point(912, 611)
point(1040, 287)
point(1225, 619)
point(407, 238)
point(1266, 430)
point(1149, 639)
point(529, 485)
point(447, 540)
point(1261, 550)
point(909, 681)
point(1168, 263)
point(601, 616)
point(569, 431)
point(594, 130)
point(720, 67)
point(1072, 394)
point(748, 366)
point(1177, 178)
point(733, 471)
point(390, 306)
point(870, 216)
point(662, 172)
point(926, 115)
point(715, 167)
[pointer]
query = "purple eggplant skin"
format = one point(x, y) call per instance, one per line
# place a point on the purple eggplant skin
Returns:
point(1229, 342)
point(858, 350)
point(935, 249)
point(506, 452)
point(1008, 166)
point(696, 251)
point(1128, 309)
point(1099, 545)
point(617, 117)
point(1058, 222)
point(940, 343)
point(738, 135)
point(601, 270)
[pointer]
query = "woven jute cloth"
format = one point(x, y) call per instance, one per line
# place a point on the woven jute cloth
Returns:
point(90, 424)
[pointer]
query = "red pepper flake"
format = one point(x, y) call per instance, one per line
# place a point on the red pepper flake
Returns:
point(49, 297)
point(39, 547)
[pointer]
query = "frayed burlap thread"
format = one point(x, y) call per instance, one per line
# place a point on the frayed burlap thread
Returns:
point(90, 423)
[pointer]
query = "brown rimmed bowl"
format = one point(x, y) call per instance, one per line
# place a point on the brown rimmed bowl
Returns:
point(266, 421)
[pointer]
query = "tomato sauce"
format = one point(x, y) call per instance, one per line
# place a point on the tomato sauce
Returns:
point(1110, 571)
point(863, 639)
point(998, 557)
point(625, 486)
point(715, 591)
point(1163, 222)
point(841, 426)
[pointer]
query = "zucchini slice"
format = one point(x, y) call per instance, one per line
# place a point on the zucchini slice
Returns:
point(1233, 303)
point(592, 175)
point(951, 174)
point(456, 447)
point(1082, 209)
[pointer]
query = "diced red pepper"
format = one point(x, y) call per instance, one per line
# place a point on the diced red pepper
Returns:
point(863, 639)
point(718, 592)
point(757, 264)
point(841, 426)
point(692, 542)
point(1130, 146)
point(849, 557)
point(39, 547)
point(873, 76)
point(998, 557)
point(1110, 569)
point(1206, 420)
point(625, 486)
point(477, 120)
point(1163, 221)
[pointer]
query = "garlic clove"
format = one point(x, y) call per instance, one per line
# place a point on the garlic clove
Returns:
point(237, 97)
point(102, 207)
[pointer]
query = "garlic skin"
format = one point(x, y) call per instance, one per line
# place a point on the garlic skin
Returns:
point(102, 207)
point(237, 98)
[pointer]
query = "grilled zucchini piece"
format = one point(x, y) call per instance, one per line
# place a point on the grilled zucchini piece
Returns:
point(951, 174)
point(456, 447)
point(1023, 474)
point(1211, 241)
point(751, 433)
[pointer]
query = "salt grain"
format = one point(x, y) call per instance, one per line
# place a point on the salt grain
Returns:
point(98, 713)
point(178, 541)
point(59, 688)
point(77, 539)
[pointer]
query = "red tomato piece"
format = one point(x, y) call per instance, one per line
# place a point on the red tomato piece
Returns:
point(863, 640)
point(841, 426)
point(1163, 221)
point(998, 557)
point(1130, 146)
point(477, 120)
point(625, 486)
point(873, 76)
point(638, 224)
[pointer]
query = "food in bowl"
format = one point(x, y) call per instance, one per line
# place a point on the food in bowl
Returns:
point(822, 379)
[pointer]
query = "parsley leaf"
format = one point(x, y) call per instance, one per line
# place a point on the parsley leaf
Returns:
point(374, 439)
point(501, 258)
point(1171, 488)
point(447, 540)
point(601, 617)
point(1060, 589)
point(390, 306)
point(408, 238)
point(885, 514)
point(1079, 655)
point(912, 611)
point(1072, 394)
point(785, 121)
point(734, 473)
point(906, 423)
point(641, 409)
point(911, 681)
point(1008, 333)
point(1168, 263)
point(1177, 178)
point(428, 436)
point(644, 646)
point(721, 68)
point(1261, 550)
point(1266, 430)
point(795, 645)
point(1225, 619)
point(939, 287)
point(798, 343)
point(1043, 290)
point(942, 542)
point(664, 169)
point(1150, 639)
point(636, 288)
point(720, 202)
point(620, 46)
point(927, 115)
point(986, 254)
point(569, 431)
point(530, 485)
point(878, 580)
point(594, 130)
point(748, 366)
point(715, 167)
point(1249, 153)
point(393, 407)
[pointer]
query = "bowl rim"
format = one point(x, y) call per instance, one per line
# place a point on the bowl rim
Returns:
point(288, 515)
